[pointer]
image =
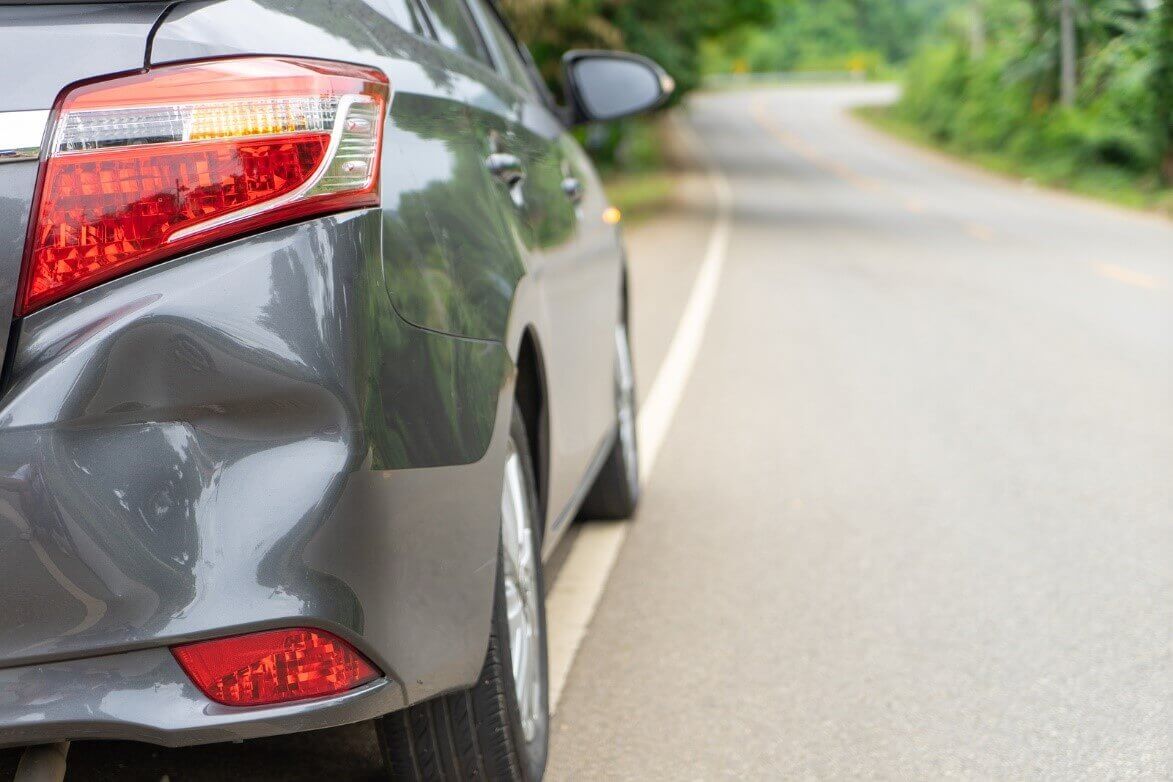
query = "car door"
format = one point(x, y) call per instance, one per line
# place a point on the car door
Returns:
point(558, 210)
point(452, 261)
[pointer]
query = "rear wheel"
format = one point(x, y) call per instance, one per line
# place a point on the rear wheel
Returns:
point(500, 728)
point(615, 494)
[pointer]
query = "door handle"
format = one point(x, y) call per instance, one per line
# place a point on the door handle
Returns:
point(506, 168)
point(572, 188)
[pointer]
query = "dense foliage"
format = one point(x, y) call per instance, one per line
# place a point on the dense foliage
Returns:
point(998, 92)
point(1163, 86)
point(834, 35)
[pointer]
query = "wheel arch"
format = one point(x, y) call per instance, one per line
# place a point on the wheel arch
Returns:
point(531, 394)
point(625, 290)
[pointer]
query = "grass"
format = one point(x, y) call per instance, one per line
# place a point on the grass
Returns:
point(1114, 186)
point(640, 195)
point(639, 176)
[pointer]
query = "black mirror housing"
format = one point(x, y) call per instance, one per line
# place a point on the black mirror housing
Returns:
point(604, 86)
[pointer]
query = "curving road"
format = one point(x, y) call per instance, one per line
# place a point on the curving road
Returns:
point(913, 517)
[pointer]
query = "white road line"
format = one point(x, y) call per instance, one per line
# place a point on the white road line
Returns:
point(571, 604)
point(659, 408)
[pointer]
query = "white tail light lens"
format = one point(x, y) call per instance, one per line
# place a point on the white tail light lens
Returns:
point(143, 167)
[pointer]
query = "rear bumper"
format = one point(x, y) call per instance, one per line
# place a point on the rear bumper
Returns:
point(145, 696)
point(242, 439)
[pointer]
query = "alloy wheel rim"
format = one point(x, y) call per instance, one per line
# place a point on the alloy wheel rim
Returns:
point(522, 593)
point(625, 403)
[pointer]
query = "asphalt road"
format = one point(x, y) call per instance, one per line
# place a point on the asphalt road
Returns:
point(912, 518)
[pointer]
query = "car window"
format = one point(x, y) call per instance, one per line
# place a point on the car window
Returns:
point(504, 46)
point(455, 28)
point(402, 13)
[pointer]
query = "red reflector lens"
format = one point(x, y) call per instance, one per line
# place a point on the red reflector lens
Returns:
point(274, 667)
point(144, 167)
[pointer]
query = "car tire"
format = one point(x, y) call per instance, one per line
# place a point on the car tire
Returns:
point(615, 493)
point(495, 730)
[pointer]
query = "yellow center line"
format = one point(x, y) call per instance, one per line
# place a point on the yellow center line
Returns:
point(979, 232)
point(809, 152)
point(844, 172)
point(1129, 276)
point(915, 205)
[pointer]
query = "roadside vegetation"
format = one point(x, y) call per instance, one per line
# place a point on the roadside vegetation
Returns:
point(635, 165)
point(1069, 93)
point(871, 38)
point(1084, 105)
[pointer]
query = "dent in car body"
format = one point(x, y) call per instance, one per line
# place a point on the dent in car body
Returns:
point(307, 426)
point(463, 258)
point(234, 440)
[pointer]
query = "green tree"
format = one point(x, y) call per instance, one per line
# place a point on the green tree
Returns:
point(829, 35)
point(1162, 86)
point(1004, 100)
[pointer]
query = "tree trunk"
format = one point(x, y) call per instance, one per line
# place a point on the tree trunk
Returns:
point(1162, 86)
point(977, 30)
point(1067, 53)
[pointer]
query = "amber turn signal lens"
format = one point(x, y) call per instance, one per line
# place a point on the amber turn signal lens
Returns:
point(277, 666)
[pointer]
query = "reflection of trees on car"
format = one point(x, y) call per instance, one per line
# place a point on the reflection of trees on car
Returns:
point(452, 260)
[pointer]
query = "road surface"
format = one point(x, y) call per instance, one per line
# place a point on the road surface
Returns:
point(911, 517)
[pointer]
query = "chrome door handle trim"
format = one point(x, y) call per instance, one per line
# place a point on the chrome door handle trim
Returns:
point(506, 168)
point(572, 188)
point(21, 134)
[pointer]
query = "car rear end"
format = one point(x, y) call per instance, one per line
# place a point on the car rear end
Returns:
point(211, 527)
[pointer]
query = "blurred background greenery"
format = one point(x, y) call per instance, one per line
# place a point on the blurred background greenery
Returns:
point(1073, 93)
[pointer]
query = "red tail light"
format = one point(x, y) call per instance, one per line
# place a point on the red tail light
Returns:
point(143, 167)
point(274, 667)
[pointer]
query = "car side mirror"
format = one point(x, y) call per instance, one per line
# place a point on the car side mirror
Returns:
point(604, 86)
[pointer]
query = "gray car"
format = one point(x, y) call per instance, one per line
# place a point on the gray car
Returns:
point(318, 347)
